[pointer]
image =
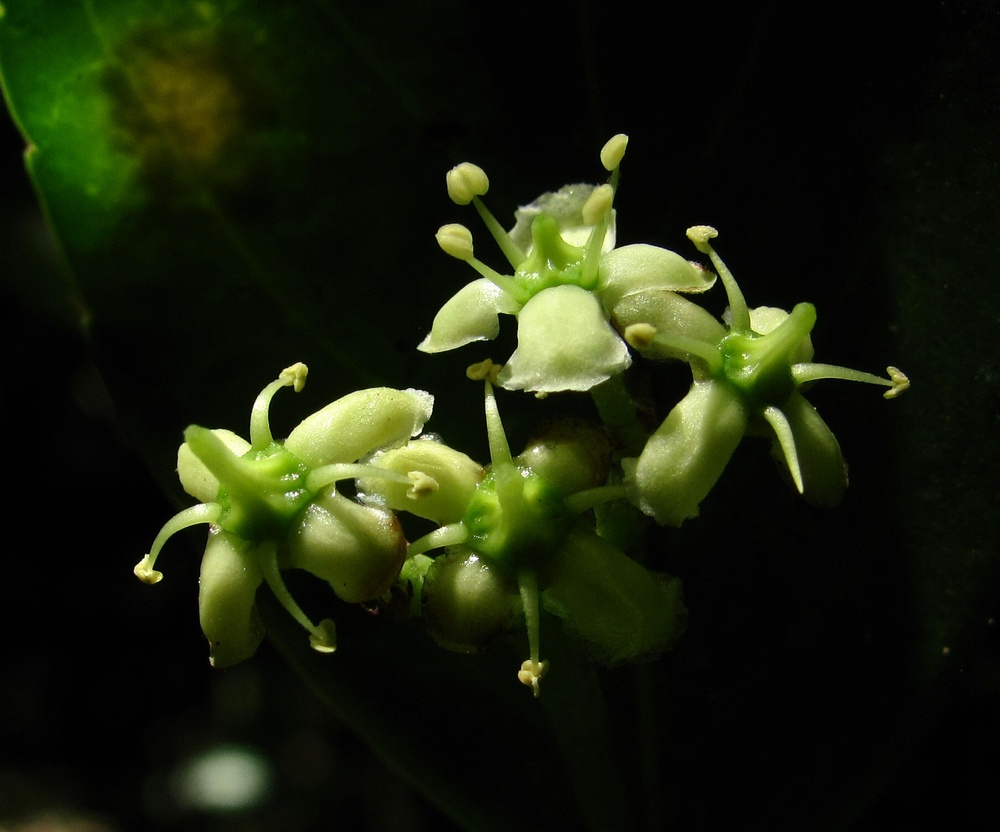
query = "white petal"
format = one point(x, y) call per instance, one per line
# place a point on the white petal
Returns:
point(359, 423)
point(470, 315)
point(686, 455)
point(194, 475)
point(566, 207)
point(564, 342)
point(642, 268)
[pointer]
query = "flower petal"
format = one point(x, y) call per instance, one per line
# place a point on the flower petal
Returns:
point(566, 207)
point(226, 591)
point(672, 315)
point(686, 455)
point(194, 475)
point(356, 549)
point(564, 342)
point(641, 268)
point(359, 423)
point(620, 610)
point(470, 315)
point(824, 473)
point(455, 477)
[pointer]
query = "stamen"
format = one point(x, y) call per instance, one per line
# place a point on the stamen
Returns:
point(499, 447)
point(455, 240)
point(642, 336)
point(700, 235)
point(779, 422)
point(510, 249)
point(465, 182)
point(598, 205)
point(583, 501)
point(596, 212)
point(453, 534)
point(532, 669)
point(193, 516)
point(260, 428)
point(808, 371)
point(323, 636)
point(328, 474)
point(613, 151)
point(423, 485)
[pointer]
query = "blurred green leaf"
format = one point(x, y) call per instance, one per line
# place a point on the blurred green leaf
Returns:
point(201, 165)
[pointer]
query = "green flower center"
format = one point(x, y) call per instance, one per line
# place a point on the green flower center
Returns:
point(760, 366)
point(261, 492)
point(552, 262)
point(515, 518)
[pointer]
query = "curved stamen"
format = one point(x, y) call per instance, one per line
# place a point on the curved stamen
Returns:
point(328, 474)
point(323, 636)
point(642, 336)
point(532, 669)
point(453, 534)
point(808, 371)
point(700, 235)
point(260, 428)
point(583, 501)
point(193, 516)
point(499, 447)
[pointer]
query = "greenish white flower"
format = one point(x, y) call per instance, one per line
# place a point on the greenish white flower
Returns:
point(566, 288)
point(747, 376)
point(274, 505)
point(516, 538)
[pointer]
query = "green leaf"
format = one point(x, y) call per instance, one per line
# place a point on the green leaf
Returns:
point(212, 170)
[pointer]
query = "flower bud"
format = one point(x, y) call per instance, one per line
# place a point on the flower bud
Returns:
point(467, 604)
point(572, 454)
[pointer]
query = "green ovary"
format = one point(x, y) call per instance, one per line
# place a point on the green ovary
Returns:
point(552, 262)
point(515, 518)
point(760, 366)
point(260, 493)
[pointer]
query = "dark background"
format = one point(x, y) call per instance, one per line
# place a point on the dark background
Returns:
point(848, 160)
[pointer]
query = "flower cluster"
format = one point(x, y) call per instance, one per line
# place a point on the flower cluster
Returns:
point(533, 532)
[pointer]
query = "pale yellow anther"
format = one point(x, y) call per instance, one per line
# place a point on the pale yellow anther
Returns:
point(482, 371)
point(423, 485)
point(700, 235)
point(466, 181)
point(324, 638)
point(900, 383)
point(531, 673)
point(145, 573)
point(640, 335)
point(455, 239)
point(598, 204)
point(613, 150)
point(295, 376)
